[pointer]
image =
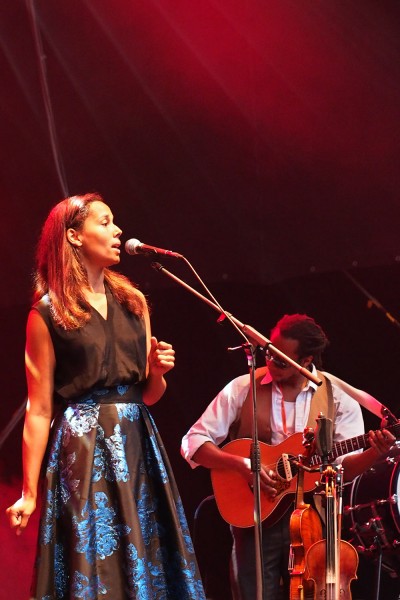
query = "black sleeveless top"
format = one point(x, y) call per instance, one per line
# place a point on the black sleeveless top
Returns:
point(104, 353)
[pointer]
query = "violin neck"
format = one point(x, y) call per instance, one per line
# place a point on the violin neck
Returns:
point(332, 548)
point(299, 503)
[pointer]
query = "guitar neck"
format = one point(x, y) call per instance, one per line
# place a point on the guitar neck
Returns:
point(356, 443)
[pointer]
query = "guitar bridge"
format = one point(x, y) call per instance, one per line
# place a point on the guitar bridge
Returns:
point(288, 475)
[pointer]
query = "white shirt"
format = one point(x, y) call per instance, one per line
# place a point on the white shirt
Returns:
point(215, 422)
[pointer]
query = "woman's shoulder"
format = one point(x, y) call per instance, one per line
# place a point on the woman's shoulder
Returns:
point(140, 295)
point(42, 306)
point(39, 318)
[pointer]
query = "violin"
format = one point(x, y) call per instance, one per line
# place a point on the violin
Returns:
point(305, 529)
point(331, 564)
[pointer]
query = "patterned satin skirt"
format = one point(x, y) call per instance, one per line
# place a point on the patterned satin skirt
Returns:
point(112, 523)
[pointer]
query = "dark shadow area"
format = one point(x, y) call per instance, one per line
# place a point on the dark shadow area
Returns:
point(213, 543)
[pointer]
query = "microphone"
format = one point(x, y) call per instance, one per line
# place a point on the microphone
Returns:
point(323, 437)
point(134, 246)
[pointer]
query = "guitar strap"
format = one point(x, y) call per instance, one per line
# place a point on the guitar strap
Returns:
point(322, 402)
point(243, 426)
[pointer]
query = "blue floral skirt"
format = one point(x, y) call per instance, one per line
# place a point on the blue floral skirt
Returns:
point(112, 523)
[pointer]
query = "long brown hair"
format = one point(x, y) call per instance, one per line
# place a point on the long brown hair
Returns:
point(61, 274)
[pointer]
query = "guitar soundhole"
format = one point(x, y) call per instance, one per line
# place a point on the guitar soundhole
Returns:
point(280, 468)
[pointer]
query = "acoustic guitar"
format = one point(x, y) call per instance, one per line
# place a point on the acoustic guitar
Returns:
point(234, 495)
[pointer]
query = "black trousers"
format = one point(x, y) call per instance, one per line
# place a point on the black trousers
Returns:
point(276, 545)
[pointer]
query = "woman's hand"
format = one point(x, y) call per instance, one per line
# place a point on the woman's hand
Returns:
point(19, 513)
point(161, 357)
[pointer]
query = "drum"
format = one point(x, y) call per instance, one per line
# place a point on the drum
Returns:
point(371, 514)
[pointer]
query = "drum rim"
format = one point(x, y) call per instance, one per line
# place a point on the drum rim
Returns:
point(394, 484)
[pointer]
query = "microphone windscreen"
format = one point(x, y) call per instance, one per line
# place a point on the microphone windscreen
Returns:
point(324, 436)
point(132, 246)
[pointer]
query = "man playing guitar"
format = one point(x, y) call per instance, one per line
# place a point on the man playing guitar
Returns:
point(286, 403)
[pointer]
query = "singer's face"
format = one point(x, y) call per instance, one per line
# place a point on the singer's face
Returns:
point(290, 347)
point(99, 241)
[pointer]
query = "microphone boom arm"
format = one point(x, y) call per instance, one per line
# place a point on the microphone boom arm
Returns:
point(255, 338)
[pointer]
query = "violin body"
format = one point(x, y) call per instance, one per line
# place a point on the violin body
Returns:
point(305, 530)
point(320, 568)
point(316, 571)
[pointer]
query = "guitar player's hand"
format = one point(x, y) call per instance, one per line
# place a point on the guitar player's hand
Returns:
point(268, 482)
point(267, 479)
point(381, 441)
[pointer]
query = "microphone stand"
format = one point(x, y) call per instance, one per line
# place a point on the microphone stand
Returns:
point(373, 301)
point(255, 462)
point(252, 339)
point(249, 333)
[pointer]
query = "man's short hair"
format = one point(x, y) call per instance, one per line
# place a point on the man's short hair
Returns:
point(311, 337)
